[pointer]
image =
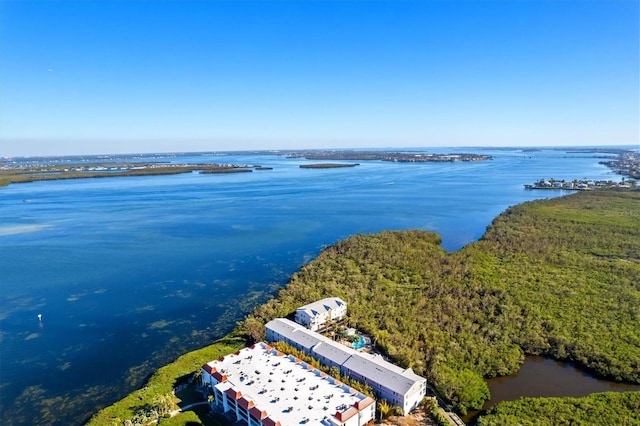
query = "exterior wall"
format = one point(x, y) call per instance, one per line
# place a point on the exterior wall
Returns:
point(353, 421)
point(325, 361)
point(303, 318)
point(242, 414)
point(339, 312)
point(414, 396)
point(367, 415)
point(407, 401)
point(274, 336)
point(218, 397)
point(312, 322)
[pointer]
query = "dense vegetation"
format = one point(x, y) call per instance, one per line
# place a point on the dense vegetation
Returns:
point(557, 277)
point(598, 409)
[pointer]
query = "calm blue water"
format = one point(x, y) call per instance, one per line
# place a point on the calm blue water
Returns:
point(359, 344)
point(129, 273)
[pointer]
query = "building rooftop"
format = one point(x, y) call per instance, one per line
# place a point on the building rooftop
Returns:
point(282, 388)
point(303, 336)
point(336, 352)
point(323, 305)
point(307, 338)
point(283, 326)
point(374, 367)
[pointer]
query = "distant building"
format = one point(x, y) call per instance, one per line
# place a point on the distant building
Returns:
point(399, 386)
point(264, 387)
point(316, 315)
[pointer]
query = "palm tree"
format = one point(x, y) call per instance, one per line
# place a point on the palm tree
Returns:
point(163, 404)
point(383, 408)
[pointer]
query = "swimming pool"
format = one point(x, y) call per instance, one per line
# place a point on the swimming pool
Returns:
point(359, 343)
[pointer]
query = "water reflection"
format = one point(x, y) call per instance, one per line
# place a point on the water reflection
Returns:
point(543, 377)
point(546, 377)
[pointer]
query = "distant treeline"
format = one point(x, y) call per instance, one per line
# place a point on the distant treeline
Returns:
point(598, 409)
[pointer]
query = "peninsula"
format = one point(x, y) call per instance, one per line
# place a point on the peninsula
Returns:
point(627, 164)
point(581, 184)
point(536, 283)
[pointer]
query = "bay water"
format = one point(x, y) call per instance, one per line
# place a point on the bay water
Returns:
point(128, 273)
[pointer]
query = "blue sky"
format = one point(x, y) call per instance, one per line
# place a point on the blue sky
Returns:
point(147, 76)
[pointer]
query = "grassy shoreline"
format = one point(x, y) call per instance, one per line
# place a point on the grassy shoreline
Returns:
point(163, 381)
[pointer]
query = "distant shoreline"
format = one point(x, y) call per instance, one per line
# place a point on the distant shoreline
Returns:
point(327, 165)
point(98, 166)
point(396, 157)
point(38, 173)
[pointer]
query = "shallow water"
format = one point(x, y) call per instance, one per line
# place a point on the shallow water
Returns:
point(540, 376)
point(129, 273)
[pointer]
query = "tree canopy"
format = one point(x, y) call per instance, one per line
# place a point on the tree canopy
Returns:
point(549, 277)
point(598, 409)
point(557, 277)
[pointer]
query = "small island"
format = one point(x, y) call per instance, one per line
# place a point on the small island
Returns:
point(327, 165)
point(220, 170)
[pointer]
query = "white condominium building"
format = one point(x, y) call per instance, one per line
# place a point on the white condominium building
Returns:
point(317, 314)
point(401, 387)
point(264, 387)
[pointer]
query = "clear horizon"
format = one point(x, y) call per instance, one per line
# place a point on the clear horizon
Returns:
point(86, 77)
point(454, 149)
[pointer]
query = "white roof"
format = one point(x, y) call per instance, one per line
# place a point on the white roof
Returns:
point(307, 338)
point(376, 369)
point(335, 352)
point(295, 332)
point(323, 305)
point(283, 326)
point(287, 389)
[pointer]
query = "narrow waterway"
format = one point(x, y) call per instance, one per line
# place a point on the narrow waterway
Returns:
point(543, 377)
